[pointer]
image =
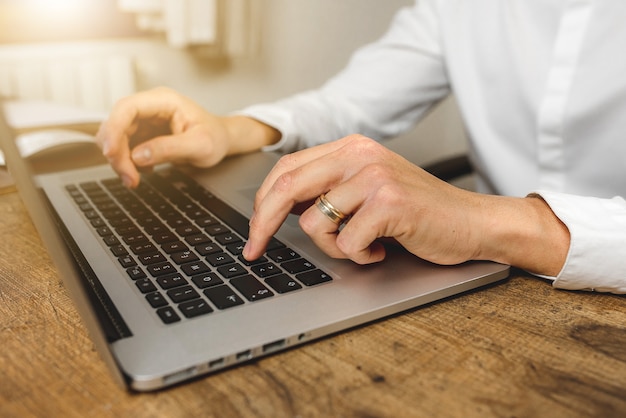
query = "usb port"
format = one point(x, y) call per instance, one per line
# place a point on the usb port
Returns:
point(216, 363)
point(244, 355)
point(274, 345)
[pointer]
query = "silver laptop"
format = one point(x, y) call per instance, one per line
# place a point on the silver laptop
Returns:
point(157, 277)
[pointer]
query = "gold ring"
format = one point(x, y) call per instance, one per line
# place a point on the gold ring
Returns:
point(329, 210)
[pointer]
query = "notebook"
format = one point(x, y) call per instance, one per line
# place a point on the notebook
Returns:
point(157, 278)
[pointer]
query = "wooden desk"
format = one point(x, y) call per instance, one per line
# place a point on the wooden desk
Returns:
point(519, 348)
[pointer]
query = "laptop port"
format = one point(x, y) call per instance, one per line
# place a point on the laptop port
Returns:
point(216, 364)
point(244, 355)
point(274, 345)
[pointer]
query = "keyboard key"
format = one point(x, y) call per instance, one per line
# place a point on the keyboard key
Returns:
point(104, 231)
point(208, 248)
point(91, 214)
point(168, 315)
point(235, 249)
point(232, 270)
point(282, 283)
point(143, 248)
point(197, 239)
point(154, 228)
point(206, 221)
point(174, 247)
point(184, 257)
point(228, 238)
point(151, 258)
point(160, 269)
point(187, 230)
point(118, 250)
point(217, 230)
point(206, 280)
point(128, 230)
point(120, 222)
point(111, 240)
point(297, 266)
point(127, 261)
point(156, 299)
point(259, 260)
point(197, 267)
point(136, 273)
point(183, 293)
point(283, 254)
point(97, 222)
point(266, 269)
point(313, 277)
point(135, 239)
point(145, 285)
point(195, 308)
point(251, 288)
point(170, 281)
point(223, 297)
point(219, 259)
point(164, 237)
point(176, 221)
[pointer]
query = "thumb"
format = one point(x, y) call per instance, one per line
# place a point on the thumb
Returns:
point(196, 147)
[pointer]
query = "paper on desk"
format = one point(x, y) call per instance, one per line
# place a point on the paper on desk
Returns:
point(33, 143)
point(53, 119)
point(35, 114)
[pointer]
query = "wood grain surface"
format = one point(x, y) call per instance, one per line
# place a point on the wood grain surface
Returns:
point(516, 349)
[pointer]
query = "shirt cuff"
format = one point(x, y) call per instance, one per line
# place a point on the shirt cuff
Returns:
point(597, 255)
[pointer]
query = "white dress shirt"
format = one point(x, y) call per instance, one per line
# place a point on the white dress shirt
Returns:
point(541, 85)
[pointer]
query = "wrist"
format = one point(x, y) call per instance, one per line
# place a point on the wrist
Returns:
point(524, 232)
point(247, 134)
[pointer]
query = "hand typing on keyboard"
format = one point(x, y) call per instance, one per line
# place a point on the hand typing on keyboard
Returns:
point(161, 125)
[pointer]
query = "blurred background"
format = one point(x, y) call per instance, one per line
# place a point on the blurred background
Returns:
point(225, 54)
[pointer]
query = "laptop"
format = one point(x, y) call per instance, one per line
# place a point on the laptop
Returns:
point(157, 277)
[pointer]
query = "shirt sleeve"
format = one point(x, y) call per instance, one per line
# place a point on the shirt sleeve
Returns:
point(597, 254)
point(385, 89)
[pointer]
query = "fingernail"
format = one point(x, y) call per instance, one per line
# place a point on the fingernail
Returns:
point(142, 155)
point(105, 149)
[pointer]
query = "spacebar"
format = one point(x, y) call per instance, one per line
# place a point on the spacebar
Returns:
point(227, 214)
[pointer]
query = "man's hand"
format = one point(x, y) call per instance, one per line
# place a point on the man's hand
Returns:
point(386, 196)
point(160, 125)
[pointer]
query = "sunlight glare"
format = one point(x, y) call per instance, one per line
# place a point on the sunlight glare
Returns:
point(58, 9)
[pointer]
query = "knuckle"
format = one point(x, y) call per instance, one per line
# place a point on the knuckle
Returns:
point(284, 182)
point(365, 145)
point(286, 162)
point(378, 172)
point(389, 195)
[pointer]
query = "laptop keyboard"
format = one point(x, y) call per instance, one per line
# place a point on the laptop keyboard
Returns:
point(181, 246)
